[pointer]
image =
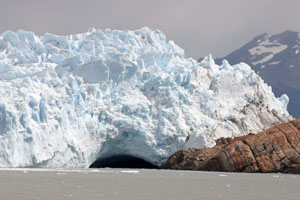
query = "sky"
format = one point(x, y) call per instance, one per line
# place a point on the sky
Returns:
point(200, 27)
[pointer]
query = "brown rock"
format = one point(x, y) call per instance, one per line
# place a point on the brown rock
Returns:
point(274, 150)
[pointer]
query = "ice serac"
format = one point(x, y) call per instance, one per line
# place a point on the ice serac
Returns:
point(67, 101)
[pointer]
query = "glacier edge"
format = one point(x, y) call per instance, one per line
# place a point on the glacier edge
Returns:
point(69, 100)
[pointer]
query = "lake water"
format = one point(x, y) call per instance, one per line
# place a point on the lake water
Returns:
point(139, 184)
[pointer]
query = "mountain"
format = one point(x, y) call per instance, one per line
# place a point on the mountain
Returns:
point(103, 96)
point(276, 58)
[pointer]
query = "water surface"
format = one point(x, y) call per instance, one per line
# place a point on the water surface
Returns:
point(140, 184)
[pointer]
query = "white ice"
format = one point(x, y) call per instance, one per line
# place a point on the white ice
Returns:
point(68, 100)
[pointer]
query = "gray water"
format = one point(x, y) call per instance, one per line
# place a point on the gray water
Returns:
point(107, 184)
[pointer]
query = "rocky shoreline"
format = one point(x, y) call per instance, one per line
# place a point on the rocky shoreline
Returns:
point(274, 150)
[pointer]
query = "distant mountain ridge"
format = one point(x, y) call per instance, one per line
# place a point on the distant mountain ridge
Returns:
point(277, 60)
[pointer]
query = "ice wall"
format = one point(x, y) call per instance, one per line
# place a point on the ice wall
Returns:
point(67, 100)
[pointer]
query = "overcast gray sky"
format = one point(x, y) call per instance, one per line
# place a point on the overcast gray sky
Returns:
point(198, 26)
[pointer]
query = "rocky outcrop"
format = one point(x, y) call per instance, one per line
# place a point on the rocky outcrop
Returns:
point(274, 150)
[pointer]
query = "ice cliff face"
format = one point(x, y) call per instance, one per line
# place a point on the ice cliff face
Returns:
point(67, 100)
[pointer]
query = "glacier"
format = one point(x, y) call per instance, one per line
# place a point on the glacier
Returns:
point(67, 101)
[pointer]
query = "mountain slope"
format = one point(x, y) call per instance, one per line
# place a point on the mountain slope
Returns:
point(277, 60)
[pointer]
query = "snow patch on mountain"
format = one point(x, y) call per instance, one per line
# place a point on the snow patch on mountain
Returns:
point(69, 100)
point(267, 48)
point(263, 60)
point(274, 63)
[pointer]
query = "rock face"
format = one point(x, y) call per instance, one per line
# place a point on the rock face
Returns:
point(274, 150)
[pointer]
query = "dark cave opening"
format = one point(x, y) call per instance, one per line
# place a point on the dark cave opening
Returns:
point(123, 161)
